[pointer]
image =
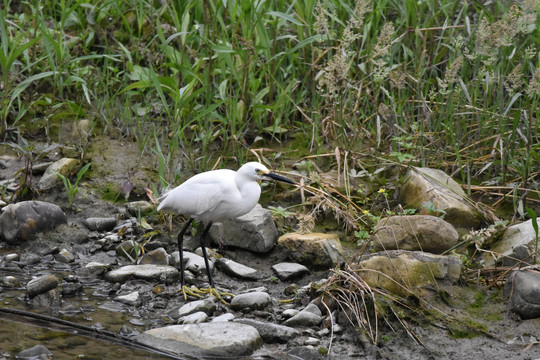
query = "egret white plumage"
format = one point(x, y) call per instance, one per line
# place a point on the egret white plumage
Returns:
point(216, 196)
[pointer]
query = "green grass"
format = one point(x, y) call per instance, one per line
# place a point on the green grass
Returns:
point(447, 84)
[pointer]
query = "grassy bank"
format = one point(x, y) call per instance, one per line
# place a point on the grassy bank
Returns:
point(447, 84)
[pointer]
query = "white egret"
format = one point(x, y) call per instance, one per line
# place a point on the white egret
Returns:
point(216, 196)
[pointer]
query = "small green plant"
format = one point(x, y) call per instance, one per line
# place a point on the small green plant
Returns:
point(73, 189)
point(280, 211)
point(433, 210)
point(533, 216)
point(31, 155)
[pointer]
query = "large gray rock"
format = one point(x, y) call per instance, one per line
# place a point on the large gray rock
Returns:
point(316, 250)
point(423, 186)
point(254, 231)
point(222, 339)
point(404, 272)
point(419, 232)
point(518, 243)
point(20, 222)
point(523, 291)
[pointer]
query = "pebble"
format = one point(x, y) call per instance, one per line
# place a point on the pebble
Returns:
point(145, 272)
point(195, 318)
point(289, 313)
point(311, 341)
point(193, 262)
point(10, 281)
point(100, 224)
point(64, 256)
point(94, 268)
point(309, 316)
point(71, 289)
point(157, 257)
point(12, 257)
point(138, 208)
point(133, 299)
point(287, 270)
point(238, 270)
point(251, 301)
point(224, 318)
point(208, 306)
point(41, 285)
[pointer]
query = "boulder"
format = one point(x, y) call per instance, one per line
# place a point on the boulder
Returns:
point(254, 231)
point(219, 339)
point(423, 186)
point(22, 221)
point(518, 243)
point(403, 272)
point(522, 289)
point(316, 250)
point(419, 232)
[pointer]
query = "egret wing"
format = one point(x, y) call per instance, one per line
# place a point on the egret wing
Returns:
point(200, 194)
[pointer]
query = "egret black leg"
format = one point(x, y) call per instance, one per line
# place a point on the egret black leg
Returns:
point(203, 247)
point(181, 250)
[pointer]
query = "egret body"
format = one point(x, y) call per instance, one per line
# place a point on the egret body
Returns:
point(216, 196)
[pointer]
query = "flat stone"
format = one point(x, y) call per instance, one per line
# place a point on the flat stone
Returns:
point(418, 232)
point(286, 270)
point(133, 299)
point(41, 285)
point(195, 318)
point(316, 250)
point(223, 318)
point(100, 224)
point(236, 269)
point(250, 301)
point(222, 339)
point(35, 352)
point(270, 332)
point(144, 272)
point(208, 306)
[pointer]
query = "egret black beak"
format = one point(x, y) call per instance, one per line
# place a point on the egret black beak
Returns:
point(279, 178)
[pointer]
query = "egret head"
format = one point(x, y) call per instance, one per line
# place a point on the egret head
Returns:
point(258, 171)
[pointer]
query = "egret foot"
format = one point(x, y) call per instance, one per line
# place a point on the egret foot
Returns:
point(196, 292)
point(191, 291)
